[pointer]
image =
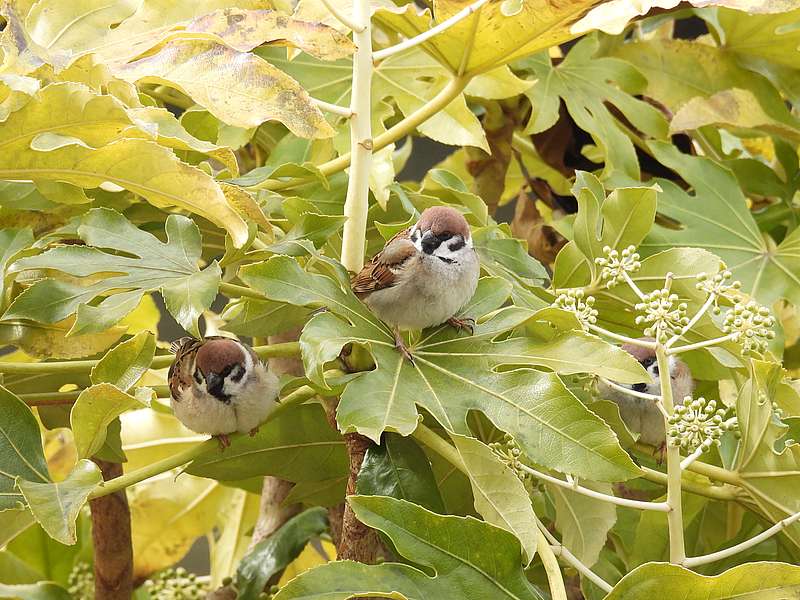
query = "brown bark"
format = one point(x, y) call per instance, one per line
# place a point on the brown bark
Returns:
point(111, 535)
point(358, 542)
point(272, 514)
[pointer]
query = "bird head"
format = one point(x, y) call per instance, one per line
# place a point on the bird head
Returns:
point(442, 232)
point(222, 367)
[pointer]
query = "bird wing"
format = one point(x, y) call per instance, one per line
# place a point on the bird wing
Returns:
point(381, 272)
point(179, 375)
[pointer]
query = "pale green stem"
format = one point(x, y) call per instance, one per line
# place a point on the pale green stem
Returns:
point(703, 344)
point(705, 469)
point(622, 338)
point(356, 201)
point(231, 290)
point(706, 305)
point(627, 502)
point(686, 462)
point(54, 398)
point(159, 362)
point(568, 557)
point(632, 284)
point(697, 561)
point(428, 437)
point(181, 458)
point(402, 129)
point(726, 492)
point(677, 549)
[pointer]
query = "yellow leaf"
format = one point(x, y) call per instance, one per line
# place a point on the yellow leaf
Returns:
point(144, 317)
point(309, 558)
point(50, 340)
point(238, 88)
point(149, 435)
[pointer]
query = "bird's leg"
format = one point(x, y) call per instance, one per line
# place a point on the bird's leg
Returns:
point(253, 431)
point(224, 441)
point(400, 344)
point(661, 453)
point(464, 323)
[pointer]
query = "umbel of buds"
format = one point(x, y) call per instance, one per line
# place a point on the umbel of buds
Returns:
point(697, 424)
point(616, 265)
point(663, 314)
point(716, 285)
point(509, 452)
point(750, 325)
point(175, 584)
point(574, 302)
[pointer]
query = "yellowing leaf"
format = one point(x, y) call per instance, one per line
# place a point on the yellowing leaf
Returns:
point(238, 88)
point(244, 30)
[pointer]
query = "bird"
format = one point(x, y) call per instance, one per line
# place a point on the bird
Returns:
point(423, 276)
point(641, 415)
point(219, 386)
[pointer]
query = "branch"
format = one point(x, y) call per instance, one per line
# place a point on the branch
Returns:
point(181, 458)
point(638, 504)
point(696, 561)
point(111, 539)
point(427, 437)
point(677, 549)
point(333, 108)
point(356, 201)
point(159, 362)
point(434, 31)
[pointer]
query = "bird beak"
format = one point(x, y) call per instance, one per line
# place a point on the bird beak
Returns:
point(213, 382)
point(429, 242)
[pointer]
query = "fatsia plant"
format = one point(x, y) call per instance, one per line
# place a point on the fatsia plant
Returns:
point(223, 167)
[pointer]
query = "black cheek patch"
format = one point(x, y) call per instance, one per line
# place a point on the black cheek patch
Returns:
point(237, 374)
point(198, 377)
point(457, 245)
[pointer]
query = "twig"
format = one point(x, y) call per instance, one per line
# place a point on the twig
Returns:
point(691, 458)
point(333, 108)
point(703, 344)
point(630, 392)
point(563, 552)
point(622, 338)
point(425, 36)
point(696, 561)
point(637, 504)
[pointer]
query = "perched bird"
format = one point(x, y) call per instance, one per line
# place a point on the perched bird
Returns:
point(220, 386)
point(423, 276)
point(641, 415)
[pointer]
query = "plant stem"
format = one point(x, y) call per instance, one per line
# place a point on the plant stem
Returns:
point(231, 290)
point(726, 492)
point(428, 437)
point(703, 344)
point(637, 504)
point(622, 338)
point(677, 549)
point(405, 127)
point(181, 458)
point(159, 362)
point(563, 552)
point(698, 315)
point(356, 201)
point(630, 392)
point(57, 398)
point(696, 561)
point(342, 111)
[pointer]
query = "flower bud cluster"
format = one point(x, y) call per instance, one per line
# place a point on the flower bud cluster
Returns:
point(616, 264)
point(80, 583)
point(751, 325)
point(509, 452)
point(697, 424)
point(175, 584)
point(663, 314)
point(573, 301)
point(716, 285)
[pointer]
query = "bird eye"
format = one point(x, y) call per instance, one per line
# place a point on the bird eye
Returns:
point(655, 370)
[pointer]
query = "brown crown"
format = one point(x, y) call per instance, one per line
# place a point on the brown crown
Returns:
point(215, 356)
point(439, 219)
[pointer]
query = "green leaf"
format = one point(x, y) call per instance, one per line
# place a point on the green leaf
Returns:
point(274, 554)
point(94, 410)
point(21, 454)
point(310, 227)
point(262, 318)
point(297, 445)
point(12, 241)
point(125, 364)
point(326, 492)
point(43, 590)
point(587, 84)
point(584, 522)
point(106, 154)
point(171, 267)
point(469, 559)
point(716, 218)
point(56, 505)
point(399, 468)
point(500, 497)
point(453, 374)
point(754, 581)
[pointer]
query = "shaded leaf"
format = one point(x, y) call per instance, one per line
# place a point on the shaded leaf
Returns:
point(276, 552)
point(399, 468)
point(125, 364)
point(21, 453)
point(584, 522)
point(94, 410)
point(56, 505)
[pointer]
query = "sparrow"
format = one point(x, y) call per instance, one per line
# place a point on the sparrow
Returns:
point(643, 416)
point(423, 276)
point(220, 386)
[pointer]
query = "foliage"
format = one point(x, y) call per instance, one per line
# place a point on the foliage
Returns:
point(194, 155)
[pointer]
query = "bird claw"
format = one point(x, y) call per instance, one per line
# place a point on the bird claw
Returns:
point(253, 431)
point(465, 323)
point(224, 441)
point(400, 344)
